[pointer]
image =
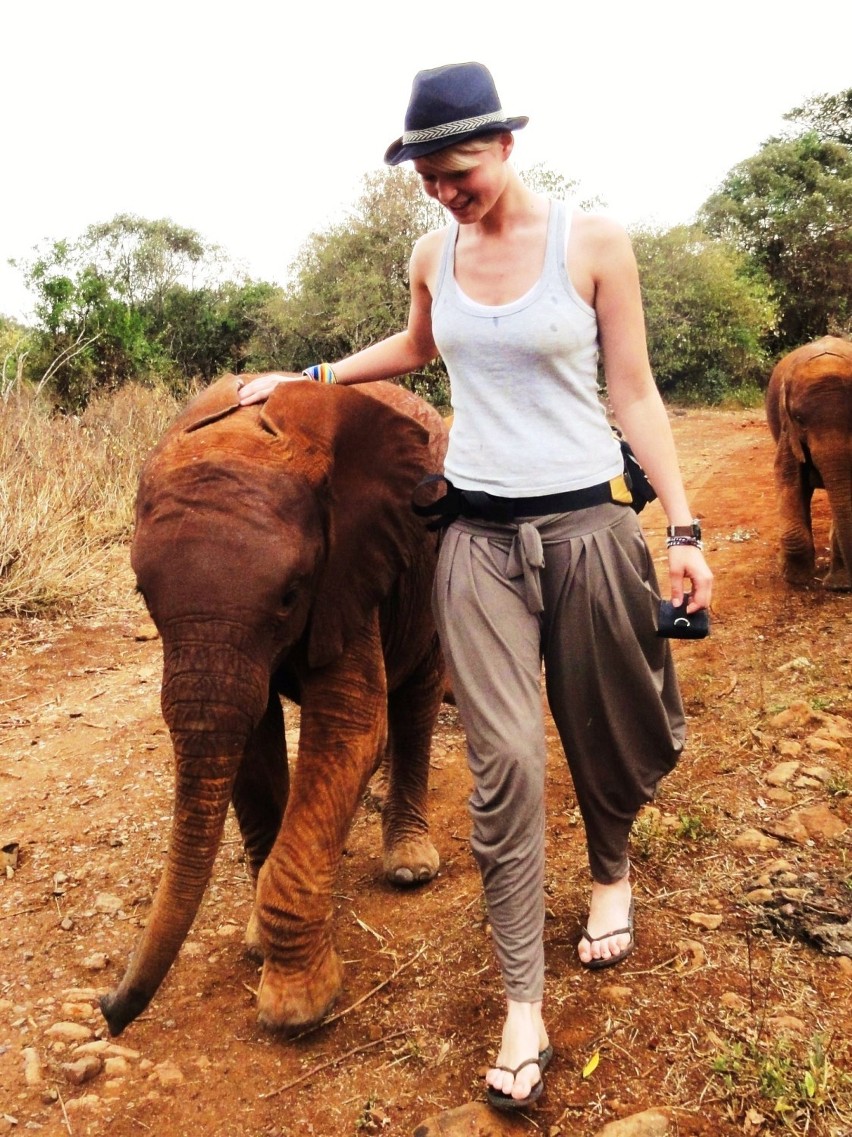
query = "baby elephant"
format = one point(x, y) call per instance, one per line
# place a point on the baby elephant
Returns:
point(277, 552)
point(809, 409)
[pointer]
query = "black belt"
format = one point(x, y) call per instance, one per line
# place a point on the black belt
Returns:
point(482, 506)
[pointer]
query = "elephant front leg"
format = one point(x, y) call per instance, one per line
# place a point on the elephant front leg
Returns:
point(839, 577)
point(259, 797)
point(410, 858)
point(798, 562)
point(343, 731)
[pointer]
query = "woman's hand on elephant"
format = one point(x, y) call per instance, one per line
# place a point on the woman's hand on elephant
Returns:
point(686, 563)
point(258, 390)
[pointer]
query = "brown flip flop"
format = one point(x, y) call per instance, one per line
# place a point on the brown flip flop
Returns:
point(599, 964)
point(499, 1100)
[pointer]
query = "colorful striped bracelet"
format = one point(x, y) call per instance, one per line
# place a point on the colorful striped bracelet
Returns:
point(321, 372)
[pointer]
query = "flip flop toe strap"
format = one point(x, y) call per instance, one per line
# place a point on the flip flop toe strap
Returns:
point(517, 1069)
point(594, 939)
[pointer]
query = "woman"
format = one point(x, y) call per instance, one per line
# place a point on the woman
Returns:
point(517, 295)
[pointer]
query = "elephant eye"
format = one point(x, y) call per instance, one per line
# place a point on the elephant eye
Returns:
point(290, 597)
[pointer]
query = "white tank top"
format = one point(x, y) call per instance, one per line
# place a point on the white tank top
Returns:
point(527, 417)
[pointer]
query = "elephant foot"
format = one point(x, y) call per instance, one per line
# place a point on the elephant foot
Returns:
point(253, 942)
point(411, 861)
point(839, 580)
point(288, 1002)
point(799, 570)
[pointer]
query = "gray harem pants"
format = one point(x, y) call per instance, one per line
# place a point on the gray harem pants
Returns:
point(579, 591)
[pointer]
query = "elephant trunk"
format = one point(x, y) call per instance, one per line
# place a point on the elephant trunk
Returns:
point(209, 739)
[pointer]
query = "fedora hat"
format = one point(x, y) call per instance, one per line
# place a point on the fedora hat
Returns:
point(449, 105)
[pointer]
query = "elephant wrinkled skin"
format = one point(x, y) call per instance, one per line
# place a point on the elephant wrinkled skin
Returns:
point(809, 410)
point(277, 552)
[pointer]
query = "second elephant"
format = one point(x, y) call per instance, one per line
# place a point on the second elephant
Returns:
point(277, 552)
point(809, 410)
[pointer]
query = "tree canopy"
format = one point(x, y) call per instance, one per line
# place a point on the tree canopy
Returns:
point(789, 208)
point(707, 317)
point(136, 299)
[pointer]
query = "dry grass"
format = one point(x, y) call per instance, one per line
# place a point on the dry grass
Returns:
point(67, 486)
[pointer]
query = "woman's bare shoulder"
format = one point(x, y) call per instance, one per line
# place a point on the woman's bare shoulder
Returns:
point(426, 257)
point(598, 229)
point(601, 244)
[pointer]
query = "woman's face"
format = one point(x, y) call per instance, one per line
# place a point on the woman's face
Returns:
point(467, 194)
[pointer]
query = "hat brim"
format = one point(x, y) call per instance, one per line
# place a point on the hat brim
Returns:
point(398, 152)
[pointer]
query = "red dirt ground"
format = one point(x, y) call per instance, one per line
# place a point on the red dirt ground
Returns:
point(85, 779)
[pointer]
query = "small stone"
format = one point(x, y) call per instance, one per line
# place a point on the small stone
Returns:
point(790, 829)
point(96, 962)
point(796, 715)
point(613, 993)
point(32, 1066)
point(821, 822)
point(759, 895)
point(69, 1032)
point(76, 1011)
point(168, 1075)
point(781, 774)
point(820, 773)
point(753, 841)
point(819, 744)
point(649, 1123)
point(705, 920)
point(789, 748)
point(804, 783)
point(474, 1118)
point(115, 1067)
point(88, 1103)
point(780, 796)
point(228, 931)
point(844, 965)
point(779, 865)
point(109, 904)
point(66, 924)
point(83, 1070)
point(97, 1046)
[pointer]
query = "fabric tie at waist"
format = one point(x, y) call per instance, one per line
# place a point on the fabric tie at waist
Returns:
point(526, 559)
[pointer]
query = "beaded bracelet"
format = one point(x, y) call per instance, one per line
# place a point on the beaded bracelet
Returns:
point(321, 372)
point(693, 542)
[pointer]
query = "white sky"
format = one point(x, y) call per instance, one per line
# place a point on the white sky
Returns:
point(254, 122)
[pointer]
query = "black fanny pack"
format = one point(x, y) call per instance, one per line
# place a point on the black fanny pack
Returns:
point(482, 506)
point(629, 488)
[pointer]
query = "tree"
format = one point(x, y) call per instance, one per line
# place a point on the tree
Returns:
point(707, 316)
point(136, 299)
point(350, 283)
point(829, 116)
point(789, 207)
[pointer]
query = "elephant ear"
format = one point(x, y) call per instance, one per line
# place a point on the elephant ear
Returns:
point(365, 458)
point(214, 402)
point(789, 430)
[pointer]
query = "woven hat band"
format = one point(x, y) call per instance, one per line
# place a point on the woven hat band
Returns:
point(448, 129)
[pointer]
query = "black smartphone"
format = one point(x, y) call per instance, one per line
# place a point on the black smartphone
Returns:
point(678, 624)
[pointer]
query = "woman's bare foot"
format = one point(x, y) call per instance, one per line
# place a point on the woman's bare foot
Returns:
point(524, 1037)
point(609, 910)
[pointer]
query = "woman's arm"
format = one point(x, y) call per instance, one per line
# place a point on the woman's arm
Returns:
point(635, 400)
point(399, 354)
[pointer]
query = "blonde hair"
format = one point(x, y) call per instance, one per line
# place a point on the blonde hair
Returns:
point(462, 156)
